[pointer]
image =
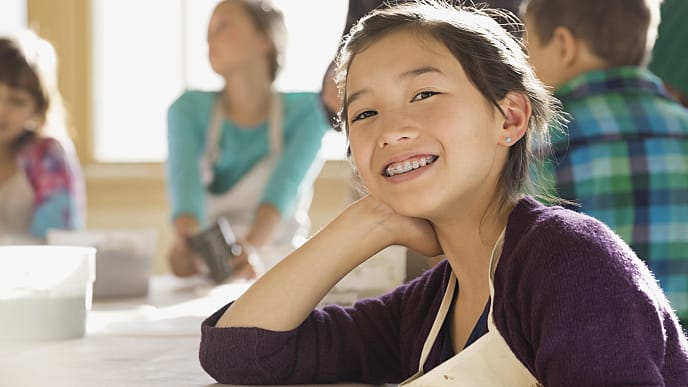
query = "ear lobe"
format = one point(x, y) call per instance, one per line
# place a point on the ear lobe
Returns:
point(566, 45)
point(517, 110)
point(32, 123)
point(267, 44)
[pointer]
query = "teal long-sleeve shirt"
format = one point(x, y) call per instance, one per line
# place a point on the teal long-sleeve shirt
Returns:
point(188, 118)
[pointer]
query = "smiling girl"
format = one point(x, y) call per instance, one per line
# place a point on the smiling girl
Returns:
point(41, 186)
point(444, 117)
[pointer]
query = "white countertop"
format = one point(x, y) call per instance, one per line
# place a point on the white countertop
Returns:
point(148, 341)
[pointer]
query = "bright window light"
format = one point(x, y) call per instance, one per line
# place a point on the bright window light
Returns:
point(12, 16)
point(144, 58)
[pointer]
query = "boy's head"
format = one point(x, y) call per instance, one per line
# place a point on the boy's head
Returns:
point(566, 38)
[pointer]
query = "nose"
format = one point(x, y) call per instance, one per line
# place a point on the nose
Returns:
point(396, 129)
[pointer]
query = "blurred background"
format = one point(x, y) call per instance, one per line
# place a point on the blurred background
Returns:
point(121, 64)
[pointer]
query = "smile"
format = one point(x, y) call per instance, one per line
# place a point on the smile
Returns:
point(409, 165)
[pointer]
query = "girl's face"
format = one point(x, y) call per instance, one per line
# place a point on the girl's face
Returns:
point(233, 40)
point(17, 113)
point(422, 137)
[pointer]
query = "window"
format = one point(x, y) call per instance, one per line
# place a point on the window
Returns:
point(144, 59)
point(12, 16)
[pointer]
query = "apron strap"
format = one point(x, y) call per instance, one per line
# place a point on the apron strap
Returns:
point(212, 147)
point(275, 123)
point(439, 321)
point(447, 300)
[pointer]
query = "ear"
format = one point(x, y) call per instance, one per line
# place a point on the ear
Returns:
point(566, 47)
point(33, 122)
point(517, 109)
point(266, 43)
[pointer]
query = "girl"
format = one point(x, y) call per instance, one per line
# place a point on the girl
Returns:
point(41, 186)
point(443, 116)
point(257, 148)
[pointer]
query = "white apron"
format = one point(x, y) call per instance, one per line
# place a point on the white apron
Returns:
point(16, 206)
point(487, 362)
point(240, 202)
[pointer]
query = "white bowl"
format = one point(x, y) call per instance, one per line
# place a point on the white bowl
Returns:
point(45, 291)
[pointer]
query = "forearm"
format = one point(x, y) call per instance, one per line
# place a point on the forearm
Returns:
point(265, 224)
point(294, 286)
point(181, 259)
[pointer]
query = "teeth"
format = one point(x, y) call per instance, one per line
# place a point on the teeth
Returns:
point(408, 165)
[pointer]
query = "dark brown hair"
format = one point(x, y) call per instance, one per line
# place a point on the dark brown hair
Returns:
point(620, 32)
point(268, 19)
point(494, 61)
point(29, 62)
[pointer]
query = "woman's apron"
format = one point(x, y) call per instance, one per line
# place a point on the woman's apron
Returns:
point(240, 202)
point(16, 207)
point(487, 362)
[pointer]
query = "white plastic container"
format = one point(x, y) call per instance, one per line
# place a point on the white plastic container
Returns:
point(125, 258)
point(45, 291)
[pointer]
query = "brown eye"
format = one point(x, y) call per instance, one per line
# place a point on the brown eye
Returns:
point(423, 95)
point(364, 115)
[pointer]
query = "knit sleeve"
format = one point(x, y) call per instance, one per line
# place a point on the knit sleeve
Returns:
point(334, 344)
point(580, 309)
point(299, 164)
point(53, 179)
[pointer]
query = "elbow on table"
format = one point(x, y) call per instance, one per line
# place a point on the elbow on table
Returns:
point(230, 364)
point(224, 369)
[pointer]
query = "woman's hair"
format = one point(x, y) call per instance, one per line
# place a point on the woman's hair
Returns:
point(29, 62)
point(268, 19)
point(494, 61)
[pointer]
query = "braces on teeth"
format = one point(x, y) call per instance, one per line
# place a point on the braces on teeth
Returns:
point(408, 166)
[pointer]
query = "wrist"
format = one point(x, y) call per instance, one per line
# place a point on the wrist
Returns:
point(364, 223)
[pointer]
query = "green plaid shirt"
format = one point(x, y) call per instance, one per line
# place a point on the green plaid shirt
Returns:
point(625, 161)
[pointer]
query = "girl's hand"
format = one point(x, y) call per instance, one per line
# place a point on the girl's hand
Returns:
point(290, 291)
point(414, 233)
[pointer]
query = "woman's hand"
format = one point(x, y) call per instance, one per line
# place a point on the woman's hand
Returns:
point(183, 261)
point(246, 265)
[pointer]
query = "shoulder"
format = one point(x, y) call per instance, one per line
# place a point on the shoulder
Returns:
point(301, 102)
point(550, 229)
point(193, 100)
point(42, 148)
point(561, 252)
point(303, 113)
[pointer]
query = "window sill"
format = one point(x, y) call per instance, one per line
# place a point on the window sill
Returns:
point(333, 169)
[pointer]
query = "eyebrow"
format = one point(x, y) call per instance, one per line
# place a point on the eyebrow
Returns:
point(405, 75)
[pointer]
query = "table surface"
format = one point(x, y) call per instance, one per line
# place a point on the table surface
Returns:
point(147, 341)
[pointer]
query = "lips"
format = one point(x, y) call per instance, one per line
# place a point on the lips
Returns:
point(408, 165)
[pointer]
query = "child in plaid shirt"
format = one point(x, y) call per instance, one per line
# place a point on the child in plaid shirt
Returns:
point(624, 158)
point(41, 186)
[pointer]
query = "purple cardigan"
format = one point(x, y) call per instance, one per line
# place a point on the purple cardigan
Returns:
point(573, 302)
